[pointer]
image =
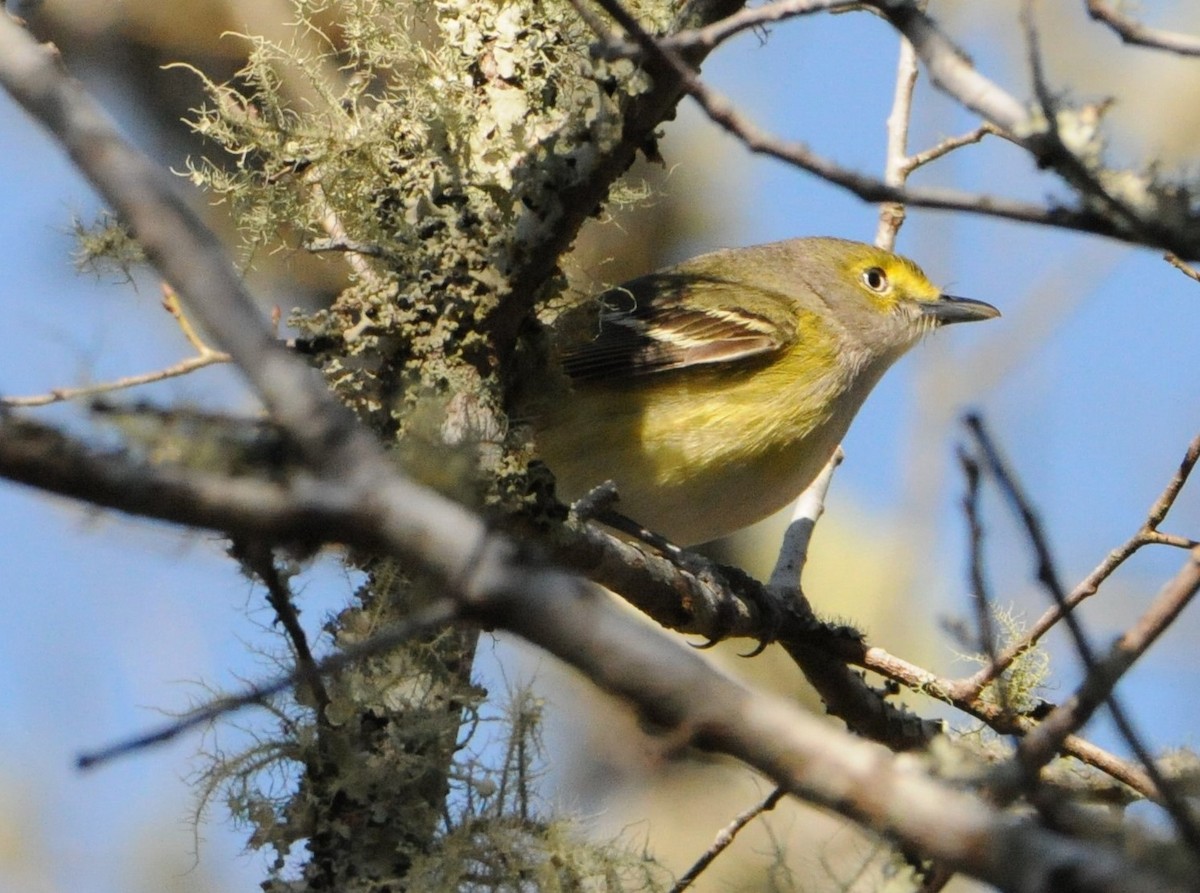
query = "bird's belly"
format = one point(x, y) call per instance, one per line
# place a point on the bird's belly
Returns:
point(692, 488)
point(723, 496)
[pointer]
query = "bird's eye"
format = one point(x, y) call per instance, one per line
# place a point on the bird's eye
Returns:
point(875, 279)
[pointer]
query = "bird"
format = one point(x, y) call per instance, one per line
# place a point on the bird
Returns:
point(713, 392)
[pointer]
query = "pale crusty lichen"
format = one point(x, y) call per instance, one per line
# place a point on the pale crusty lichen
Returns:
point(435, 161)
point(455, 130)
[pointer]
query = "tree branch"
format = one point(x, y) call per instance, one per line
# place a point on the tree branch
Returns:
point(355, 494)
point(1148, 214)
point(950, 70)
point(1133, 32)
point(1035, 751)
point(726, 838)
point(1147, 534)
point(432, 617)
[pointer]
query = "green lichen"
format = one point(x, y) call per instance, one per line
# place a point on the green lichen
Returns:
point(430, 145)
point(106, 246)
point(423, 154)
point(446, 141)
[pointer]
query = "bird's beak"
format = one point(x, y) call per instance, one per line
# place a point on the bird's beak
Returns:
point(947, 309)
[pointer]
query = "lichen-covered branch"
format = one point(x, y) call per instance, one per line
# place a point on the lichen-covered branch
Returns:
point(456, 178)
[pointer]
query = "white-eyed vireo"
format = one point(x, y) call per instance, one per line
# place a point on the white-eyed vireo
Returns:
point(713, 392)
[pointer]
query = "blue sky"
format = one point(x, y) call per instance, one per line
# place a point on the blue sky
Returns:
point(1089, 381)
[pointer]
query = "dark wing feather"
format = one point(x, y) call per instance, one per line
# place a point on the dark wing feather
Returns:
point(640, 336)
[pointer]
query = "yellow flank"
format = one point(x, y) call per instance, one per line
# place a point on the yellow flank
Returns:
point(708, 428)
point(746, 440)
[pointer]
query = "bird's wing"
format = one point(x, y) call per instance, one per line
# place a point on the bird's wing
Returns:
point(638, 335)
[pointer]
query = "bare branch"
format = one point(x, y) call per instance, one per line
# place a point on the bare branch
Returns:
point(1185, 268)
point(899, 164)
point(205, 356)
point(1035, 752)
point(1042, 742)
point(1147, 534)
point(951, 70)
point(980, 597)
point(793, 552)
point(719, 602)
point(1149, 215)
point(723, 112)
point(1000, 720)
point(1162, 505)
point(951, 143)
point(896, 166)
point(332, 224)
point(170, 303)
point(823, 652)
point(431, 617)
point(725, 838)
point(259, 559)
point(672, 686)
point(1046, 571)
point(679, 692)
point(1051, 142)
point(61, 395)
point(1134, 32)
point(186, 253)
point(350, 246)
point(304, 511)
point(309, 512)
point(711, 36)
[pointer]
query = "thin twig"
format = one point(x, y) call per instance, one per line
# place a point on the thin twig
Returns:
point(259, 559)
point(1162, 505)
point(332, 224)
point(1034, 753)
point(433, 616)
point(843, 691)
point(1051, 141)
point(793, 552)
point(895, 172)
point(722, 111)
point(1134, 32)
point(170, 303)
point(1046, 572)
point(711, 36)
point(1128, 214)
point(725, 838)
point(983, 97)
point(951, 143)
point(1000, 720)
point(1044, 740)
point(205, 356)
point(1182, 266)
point(899, 164)
point(980, 598)
point(1147, 534)
point(60, 395)
point(366, 249)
